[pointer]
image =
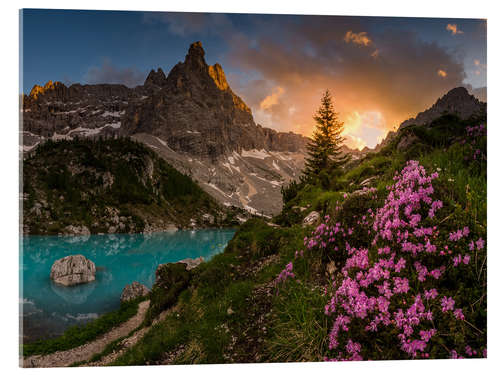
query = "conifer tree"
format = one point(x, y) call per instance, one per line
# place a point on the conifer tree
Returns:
point(324, 150)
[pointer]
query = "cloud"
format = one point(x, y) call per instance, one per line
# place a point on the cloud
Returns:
point(357, 38)
point(186, 24)
point(396, 78)
point(442, 73)
point(271, 99)
point(281, 69)
point(109, 73)
point(454, 29)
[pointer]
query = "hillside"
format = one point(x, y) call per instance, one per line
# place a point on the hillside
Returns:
point(393, 266)
point(86, 186)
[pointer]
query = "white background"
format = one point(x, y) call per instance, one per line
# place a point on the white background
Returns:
point(9, 173)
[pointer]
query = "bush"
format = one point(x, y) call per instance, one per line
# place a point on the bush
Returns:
point(171, 280)
point(416, 279)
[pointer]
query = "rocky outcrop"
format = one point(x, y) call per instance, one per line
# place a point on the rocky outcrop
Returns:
point(170, 280)
point(457, 101)
point(311, 219)
point(192, 263)
point(196, 112)
point(133, 291)
point(73, 270)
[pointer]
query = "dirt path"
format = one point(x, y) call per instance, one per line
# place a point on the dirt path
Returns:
point(128, 342)
point(86, 351)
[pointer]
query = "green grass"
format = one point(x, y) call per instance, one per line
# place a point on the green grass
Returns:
point(299, 326)
point(79, 335)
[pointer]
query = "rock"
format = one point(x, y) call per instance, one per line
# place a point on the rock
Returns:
point(311, 218)
point(368, 181)
point(81, 230)
point(207, 218)
point(192, 263)
point(170, 280)
point(406, 141)
point(133, 291)
point(73, 270)
point(330, 268)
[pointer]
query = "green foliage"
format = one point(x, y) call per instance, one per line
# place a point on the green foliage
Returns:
point(299, 328)
point(171, 280)
point(83, 181)
point(324, 153)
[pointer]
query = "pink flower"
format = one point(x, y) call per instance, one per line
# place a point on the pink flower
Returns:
point(466, 259)
point(430, 294)
point(447, 303)
point(480, 244)
point(458, 314)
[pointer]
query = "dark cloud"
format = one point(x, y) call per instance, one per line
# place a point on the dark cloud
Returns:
point(184, 24)
point(377, 82)
point(110, 73)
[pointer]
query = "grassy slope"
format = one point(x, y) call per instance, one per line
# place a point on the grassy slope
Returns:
point(289, 324)
point(233, 312)
point(85, 182)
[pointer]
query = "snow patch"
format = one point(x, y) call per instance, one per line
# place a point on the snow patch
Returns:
point(257, 154)
point(275, 165)
point(215, 187)
point(113, 114)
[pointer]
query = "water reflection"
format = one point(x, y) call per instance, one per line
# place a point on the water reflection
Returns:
point(119, 258)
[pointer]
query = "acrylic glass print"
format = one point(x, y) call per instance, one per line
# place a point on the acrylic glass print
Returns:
point(234, 188)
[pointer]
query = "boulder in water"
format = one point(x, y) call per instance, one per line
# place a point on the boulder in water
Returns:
point(133, 291)
point(73, 270)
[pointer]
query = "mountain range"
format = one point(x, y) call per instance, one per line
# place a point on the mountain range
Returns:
point(193, 120)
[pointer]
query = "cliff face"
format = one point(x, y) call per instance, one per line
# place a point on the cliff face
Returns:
point(193, 109)
point(196, 112)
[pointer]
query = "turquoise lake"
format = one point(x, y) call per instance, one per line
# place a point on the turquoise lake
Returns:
point(48, 309)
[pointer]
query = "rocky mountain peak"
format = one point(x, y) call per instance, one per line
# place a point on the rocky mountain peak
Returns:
point(37, 90)
point(217, 74)
point(457, 101)
point(195, 59)
point(156, 78)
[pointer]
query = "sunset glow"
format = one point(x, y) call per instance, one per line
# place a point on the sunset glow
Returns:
point(380, 71)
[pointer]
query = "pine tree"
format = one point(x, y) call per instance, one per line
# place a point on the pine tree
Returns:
point(324, 149)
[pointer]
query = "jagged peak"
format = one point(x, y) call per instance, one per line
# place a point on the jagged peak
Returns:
point(196, 56)
point(39, 90)
point(157, 78)
point(218, 75)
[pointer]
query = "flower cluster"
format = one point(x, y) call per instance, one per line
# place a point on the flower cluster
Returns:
point(391, 285)
point(477, 151)
point(285, 274)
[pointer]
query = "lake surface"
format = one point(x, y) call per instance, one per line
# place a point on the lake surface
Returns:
point(47, 309)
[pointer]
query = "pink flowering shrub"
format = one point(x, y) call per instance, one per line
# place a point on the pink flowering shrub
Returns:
point(410, 282)
point(475, 144)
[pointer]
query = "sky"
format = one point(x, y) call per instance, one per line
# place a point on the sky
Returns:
point(380, 70)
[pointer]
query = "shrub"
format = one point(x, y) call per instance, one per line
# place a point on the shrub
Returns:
point(415, 280)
